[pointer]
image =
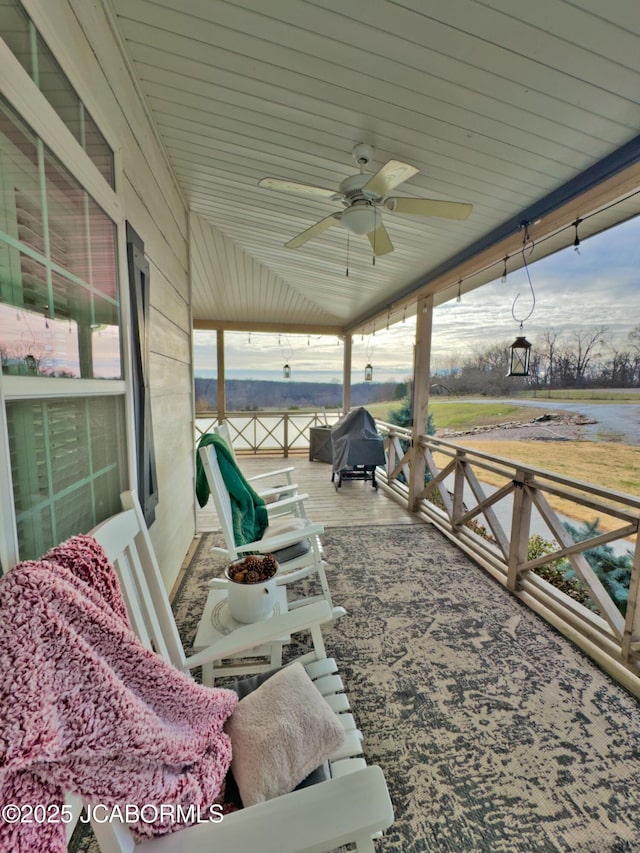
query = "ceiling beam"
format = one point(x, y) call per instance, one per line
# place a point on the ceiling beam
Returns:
point(273, 326)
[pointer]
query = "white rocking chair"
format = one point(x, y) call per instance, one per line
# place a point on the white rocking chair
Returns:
point(292, 569)
point(349, 808)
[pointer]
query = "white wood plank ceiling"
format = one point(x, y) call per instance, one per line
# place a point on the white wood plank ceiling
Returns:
point(496, 102)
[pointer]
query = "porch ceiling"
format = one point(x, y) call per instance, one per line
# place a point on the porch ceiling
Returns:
point(519, 108)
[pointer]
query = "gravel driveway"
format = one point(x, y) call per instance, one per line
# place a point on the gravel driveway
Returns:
point(618, 422)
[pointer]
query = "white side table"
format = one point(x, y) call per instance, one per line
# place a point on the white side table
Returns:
point(217, 622)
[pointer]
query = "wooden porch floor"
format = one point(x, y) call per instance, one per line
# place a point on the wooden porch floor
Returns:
point(356, 503)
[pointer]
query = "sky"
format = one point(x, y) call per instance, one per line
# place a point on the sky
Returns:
point(599, 285)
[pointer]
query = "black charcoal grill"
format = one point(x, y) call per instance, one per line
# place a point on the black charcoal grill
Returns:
point(357, 448)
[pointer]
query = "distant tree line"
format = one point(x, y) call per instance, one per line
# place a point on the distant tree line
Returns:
point(252, 395)
point(587, 359)
point(576, 359)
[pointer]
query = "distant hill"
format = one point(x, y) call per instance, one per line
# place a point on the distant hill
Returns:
point(251, 395)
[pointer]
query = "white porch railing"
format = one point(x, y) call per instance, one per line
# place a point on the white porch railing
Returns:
point(266, 432)
point(457, 494)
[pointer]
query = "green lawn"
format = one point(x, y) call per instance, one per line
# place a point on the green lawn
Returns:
point(457, 414)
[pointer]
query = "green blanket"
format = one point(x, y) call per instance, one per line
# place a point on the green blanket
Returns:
point(248, 510)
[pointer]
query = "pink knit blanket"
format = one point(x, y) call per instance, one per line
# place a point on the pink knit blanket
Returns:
point(86, 708)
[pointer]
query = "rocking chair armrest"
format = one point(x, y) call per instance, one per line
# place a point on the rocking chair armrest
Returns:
point(274, 543)
point(278, 490)
point(311, 820)
point(280, 472)
point(258, 633)
point(294, 499)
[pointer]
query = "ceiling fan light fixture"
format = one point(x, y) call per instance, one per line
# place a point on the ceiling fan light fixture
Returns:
point(360, 218)
point(363, 196)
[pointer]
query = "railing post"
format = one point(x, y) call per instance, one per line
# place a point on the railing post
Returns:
point(391, 452)
point(631, 636)
point(286, 435)
point(520, 526)
point(458, 488)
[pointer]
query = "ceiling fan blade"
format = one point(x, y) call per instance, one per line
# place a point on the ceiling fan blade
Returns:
point(318, 228)
point(380, 241)
point(293, 187)
point(389, 176)
point(429, 207)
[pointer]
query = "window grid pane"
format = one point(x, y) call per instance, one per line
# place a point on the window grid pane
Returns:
point(68, 469)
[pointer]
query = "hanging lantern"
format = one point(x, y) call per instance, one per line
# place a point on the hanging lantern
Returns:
point(368, 373)
point(286, 371)
point(519, 361)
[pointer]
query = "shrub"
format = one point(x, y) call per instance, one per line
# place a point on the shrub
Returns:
point(403, 417)
point(555, 572)
point(613, 570)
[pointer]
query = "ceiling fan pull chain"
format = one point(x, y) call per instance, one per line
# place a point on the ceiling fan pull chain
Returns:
point(347, 273)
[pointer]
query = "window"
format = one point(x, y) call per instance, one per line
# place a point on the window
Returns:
point(61, 386)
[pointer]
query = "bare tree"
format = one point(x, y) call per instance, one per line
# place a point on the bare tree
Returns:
point(634, 340)
point(586, 342)
point(550, 343)
point(485, 372)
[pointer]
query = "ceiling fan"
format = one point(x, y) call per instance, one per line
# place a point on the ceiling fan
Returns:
point(364, 196)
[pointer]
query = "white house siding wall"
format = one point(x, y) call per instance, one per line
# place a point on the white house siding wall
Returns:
point(80, 36)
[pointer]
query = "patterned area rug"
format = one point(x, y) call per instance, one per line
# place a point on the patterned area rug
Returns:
point(494, 733)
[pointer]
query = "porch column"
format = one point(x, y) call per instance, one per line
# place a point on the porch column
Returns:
point(220, 395)
point(421, 381)
point(346, 375)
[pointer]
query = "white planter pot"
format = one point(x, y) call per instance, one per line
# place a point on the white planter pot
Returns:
point(251, 602)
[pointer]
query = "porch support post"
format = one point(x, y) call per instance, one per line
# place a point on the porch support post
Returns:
point(222, 403)
point(421, 381)
point(346, 375)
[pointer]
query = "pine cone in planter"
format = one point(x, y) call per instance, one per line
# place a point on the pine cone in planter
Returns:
point(255, 568)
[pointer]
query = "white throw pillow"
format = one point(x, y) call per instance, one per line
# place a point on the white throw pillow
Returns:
point(279, 734)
